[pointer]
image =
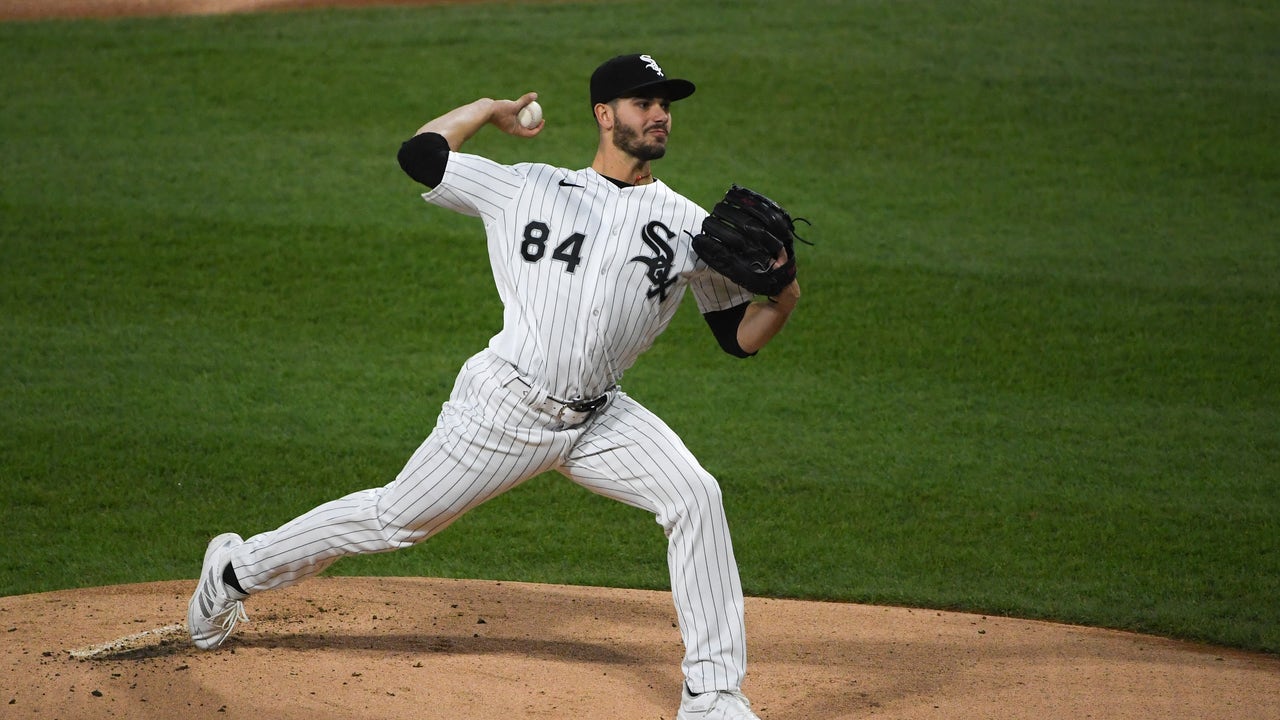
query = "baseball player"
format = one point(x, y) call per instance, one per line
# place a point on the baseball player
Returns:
point(590, 266)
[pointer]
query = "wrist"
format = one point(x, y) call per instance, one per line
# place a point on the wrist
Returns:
point(787, 299)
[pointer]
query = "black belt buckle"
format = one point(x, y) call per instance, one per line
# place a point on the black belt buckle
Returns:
point(588, 406)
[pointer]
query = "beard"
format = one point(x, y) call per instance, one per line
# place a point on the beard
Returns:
point(626, 139)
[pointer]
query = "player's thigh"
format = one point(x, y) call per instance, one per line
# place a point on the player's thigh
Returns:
point(480, 448)
point(631, 455)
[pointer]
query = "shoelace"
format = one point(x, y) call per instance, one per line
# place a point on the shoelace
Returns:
point(227, 619)
point(737, 695)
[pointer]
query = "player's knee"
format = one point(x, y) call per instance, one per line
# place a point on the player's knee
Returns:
point(397, 534)
point(398, 538)
point(698, 500)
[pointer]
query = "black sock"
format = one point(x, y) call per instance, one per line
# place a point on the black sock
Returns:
point(229, 577)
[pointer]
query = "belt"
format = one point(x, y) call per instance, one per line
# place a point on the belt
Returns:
point(570, 412)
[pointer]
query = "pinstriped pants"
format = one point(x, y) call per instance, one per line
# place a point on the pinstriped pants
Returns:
point(488, 439)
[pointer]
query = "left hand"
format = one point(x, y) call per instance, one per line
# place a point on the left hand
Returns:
point(789, 296)
point(781, 259)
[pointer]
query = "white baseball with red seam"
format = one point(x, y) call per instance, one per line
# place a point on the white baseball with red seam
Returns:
point(531, 115)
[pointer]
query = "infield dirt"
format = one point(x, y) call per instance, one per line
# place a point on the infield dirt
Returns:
point(357, 648)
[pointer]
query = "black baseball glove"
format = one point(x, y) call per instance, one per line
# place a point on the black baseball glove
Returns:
point(742, 237)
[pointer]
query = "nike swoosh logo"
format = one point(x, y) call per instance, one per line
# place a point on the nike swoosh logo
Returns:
point(566, 183)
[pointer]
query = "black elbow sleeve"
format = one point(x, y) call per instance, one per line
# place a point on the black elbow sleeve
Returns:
point(724, 325)
point(424, 158)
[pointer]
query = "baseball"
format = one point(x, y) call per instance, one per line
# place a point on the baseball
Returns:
point(531, 115)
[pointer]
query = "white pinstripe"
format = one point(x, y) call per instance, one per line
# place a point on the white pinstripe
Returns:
point(568, 335)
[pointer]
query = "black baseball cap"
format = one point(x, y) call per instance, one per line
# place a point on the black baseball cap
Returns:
point(632, 75)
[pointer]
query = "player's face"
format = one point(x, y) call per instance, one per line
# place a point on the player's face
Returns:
point(642, 127)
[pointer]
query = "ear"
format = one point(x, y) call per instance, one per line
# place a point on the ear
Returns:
point(604, 116)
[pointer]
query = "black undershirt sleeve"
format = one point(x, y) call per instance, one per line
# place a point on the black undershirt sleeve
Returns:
point(724, 325)
point(424, 157)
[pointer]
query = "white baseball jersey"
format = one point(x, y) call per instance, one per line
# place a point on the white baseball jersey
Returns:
point(588, 273)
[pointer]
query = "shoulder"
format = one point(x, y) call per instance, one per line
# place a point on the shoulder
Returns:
point(520, 168)
point(476, 185)
point(675, 196)
point(684, 212)
point(536, 173)
point(679, 197)
point(530, 169)
point(475, 173)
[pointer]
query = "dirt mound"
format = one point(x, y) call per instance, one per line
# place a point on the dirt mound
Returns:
point(356, 648)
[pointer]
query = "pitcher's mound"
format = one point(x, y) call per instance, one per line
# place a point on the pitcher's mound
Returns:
point(378, 648)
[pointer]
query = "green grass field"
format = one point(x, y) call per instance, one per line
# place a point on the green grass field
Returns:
point(1034, 372)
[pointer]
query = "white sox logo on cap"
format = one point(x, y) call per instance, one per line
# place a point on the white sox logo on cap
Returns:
point(652, 64)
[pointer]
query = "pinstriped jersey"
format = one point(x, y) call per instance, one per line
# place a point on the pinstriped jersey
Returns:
point(589, 274)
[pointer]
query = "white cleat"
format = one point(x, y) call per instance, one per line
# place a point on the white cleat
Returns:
point(213, 613)
point(715, 705)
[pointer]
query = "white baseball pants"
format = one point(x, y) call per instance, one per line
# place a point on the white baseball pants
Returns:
point(489, 438)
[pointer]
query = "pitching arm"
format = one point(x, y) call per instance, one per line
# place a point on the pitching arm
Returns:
point(424, 156)
point(462, 123)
